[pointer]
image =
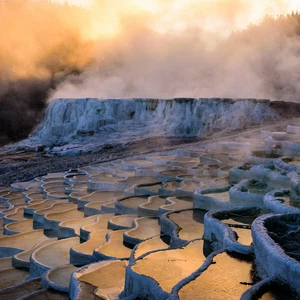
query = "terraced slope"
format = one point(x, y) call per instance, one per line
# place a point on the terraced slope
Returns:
point(157, 226)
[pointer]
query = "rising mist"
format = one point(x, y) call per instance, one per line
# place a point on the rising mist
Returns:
point(201, 49)
point(211, 55)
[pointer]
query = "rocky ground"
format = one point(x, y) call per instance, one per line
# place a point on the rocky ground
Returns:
point(17, 166)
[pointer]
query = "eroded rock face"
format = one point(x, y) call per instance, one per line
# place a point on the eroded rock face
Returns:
point(68, 119)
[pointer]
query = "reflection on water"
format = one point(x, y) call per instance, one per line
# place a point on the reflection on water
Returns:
point(242, 218)
point(243, 236)
point(190, 223)
point(227, 278)
point(106, 277)
point(289, 201)
point(168, 267)
point(293, 162)
point(171, 185)
point(152, 244)
point(221, 181)
point(241, 224)
point(152, 187)
point(133, 201)
point(189, 185)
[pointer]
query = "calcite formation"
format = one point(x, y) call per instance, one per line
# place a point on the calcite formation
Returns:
point(213, 220)
point(80, 126)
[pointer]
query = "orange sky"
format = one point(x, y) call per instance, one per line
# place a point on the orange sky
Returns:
point(116, 44)
point(214, 15)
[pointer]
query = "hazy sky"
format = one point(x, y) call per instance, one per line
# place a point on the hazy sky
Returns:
point(155, 48)
point(172, 48)
point(258, 6)
point(178, 14)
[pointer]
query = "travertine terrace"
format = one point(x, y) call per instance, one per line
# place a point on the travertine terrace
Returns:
point(213, 219)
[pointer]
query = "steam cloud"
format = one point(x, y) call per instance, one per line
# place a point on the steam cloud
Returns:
point(208, 55)
point(157, 48)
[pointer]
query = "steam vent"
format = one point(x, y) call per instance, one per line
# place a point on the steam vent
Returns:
point(153, 199)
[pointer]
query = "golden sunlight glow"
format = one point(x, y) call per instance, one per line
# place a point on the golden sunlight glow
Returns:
point(101, 20)
point(176, 14)
point(76, 2)
point(210, 15)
